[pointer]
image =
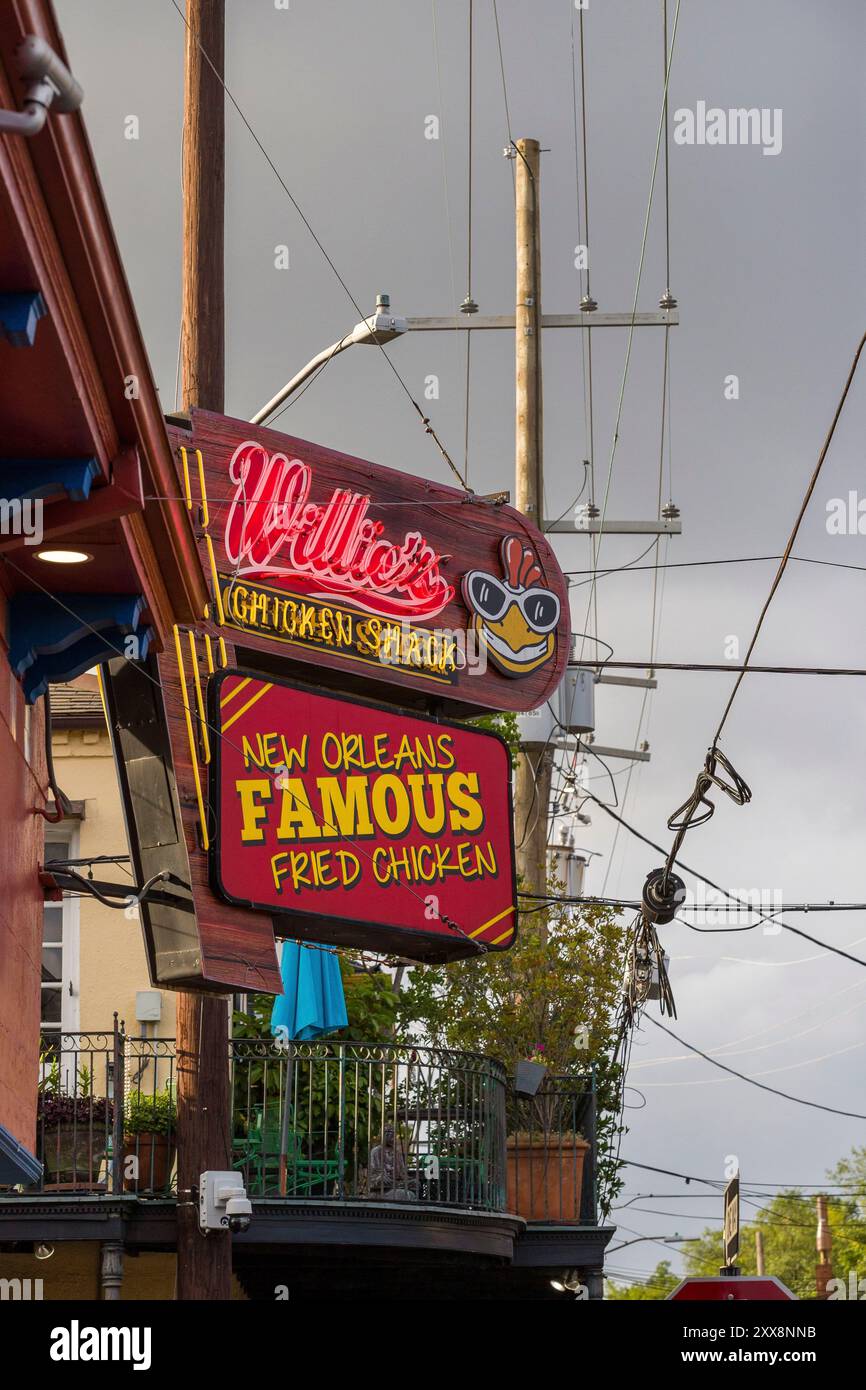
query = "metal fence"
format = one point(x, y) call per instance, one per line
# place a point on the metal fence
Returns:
point(323, 1121)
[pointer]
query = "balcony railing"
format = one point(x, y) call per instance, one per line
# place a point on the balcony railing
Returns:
point(335, 1121)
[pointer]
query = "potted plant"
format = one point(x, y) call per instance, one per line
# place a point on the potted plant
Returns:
point(74, 1128)
point(544, 1151)
point(149, 1129)
point(547, 1010)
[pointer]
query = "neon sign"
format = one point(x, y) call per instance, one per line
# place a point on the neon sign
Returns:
point(333, 550)
point(391, 582)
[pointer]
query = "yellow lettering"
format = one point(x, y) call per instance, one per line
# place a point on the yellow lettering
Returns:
point(345, 812)
point(297, 821)
point(394, 822)
point(466, 813)
point(248, 788)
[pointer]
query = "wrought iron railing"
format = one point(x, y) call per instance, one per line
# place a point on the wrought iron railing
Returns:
point(551, 1151)
point(382, 1122)
point(336, 1121)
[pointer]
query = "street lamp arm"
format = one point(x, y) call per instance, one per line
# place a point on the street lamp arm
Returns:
point(303, 375)
point(379, 328)
point(662, 1240)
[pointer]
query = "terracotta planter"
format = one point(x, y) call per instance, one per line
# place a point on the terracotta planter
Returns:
point(545, 1176)
point(71, 1156)
point(155, 1154)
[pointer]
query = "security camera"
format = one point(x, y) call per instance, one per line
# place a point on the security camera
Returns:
point(37, 62)
point(239, 1211)
point(223, 1204)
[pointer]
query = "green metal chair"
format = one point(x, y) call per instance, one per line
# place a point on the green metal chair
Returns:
point(259, 1153)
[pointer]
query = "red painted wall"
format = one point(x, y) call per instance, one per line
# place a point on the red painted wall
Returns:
point(21, 900)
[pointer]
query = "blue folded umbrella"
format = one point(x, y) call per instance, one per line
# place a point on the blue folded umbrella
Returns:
point(313, 1001)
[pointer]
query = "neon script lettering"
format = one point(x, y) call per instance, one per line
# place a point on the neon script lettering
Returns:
point(274, 531)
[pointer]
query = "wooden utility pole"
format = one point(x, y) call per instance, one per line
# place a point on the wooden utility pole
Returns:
point(203, 323)
point(528, 433)
point(204, 1263)
point(824, 1246)
point(759, 1253)
point(535, 766)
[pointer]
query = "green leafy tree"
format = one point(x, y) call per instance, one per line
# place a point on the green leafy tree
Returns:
point(658, 1285)
point(788, 1224)
point(551, 997)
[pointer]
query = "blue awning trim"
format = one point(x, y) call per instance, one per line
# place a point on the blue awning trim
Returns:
point(17, 1164)
point(91, 650)
point(19, 314)
point(48, 478)
point(41, 625)
point(56, 639)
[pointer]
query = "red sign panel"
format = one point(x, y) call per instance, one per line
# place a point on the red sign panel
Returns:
point(359, 824)
point(323, 559)
point(744, 1287)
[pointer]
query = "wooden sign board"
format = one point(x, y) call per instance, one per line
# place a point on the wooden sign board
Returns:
point(360, 825)
point(371, 580)
point(362, 581)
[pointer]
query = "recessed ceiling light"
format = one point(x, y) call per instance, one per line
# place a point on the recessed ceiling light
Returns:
point(63, 557)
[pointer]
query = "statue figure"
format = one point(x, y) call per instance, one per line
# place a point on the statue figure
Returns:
point(387, 1177)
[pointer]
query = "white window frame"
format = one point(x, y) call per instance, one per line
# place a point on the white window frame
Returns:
point(70, 985)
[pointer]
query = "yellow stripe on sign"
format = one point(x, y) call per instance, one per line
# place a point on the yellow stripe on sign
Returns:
point(186, 488)
point(193, 751)
point(234, 691)
point(216, 583)
point(205, 517)
point(202, 714)
point(492, 922)
point(497, 940)
point(243, 709)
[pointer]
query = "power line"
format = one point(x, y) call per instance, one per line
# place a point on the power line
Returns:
point(448, 222)
point(633, 567)
point(720, 1183)
point(750, 1080)
point(786, 926)
point(585, 900)
point(791, 539)
point(769, 1071)
point(718, 772)
point(731, 667)
point(502, 71)
point(638, 279)
point(428, 428)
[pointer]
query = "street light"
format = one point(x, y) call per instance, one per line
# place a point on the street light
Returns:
point(662, 1240)
point(381, 327)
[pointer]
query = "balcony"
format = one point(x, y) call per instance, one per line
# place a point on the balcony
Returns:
point(372, 1146)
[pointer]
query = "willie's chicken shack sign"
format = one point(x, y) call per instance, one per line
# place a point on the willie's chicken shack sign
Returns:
point(282, 810)
point(328, 561)
point(362, 824)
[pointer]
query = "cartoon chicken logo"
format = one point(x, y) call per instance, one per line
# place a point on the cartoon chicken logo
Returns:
point(515, 616)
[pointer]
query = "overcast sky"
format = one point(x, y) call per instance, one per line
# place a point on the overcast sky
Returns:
point(767, 265)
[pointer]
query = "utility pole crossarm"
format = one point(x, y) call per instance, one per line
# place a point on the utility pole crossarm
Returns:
point(581, 525)
point(665, 318)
